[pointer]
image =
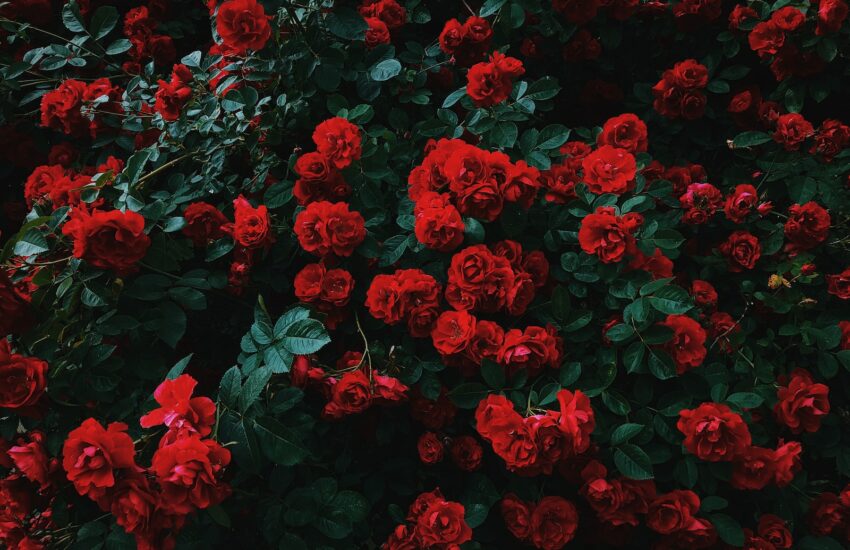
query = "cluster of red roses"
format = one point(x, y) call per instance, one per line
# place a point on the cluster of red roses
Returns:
point(490, 83)
point(548, 524)
point(432, 522)
point(465, 451)
point(352, 388)
point(772, 39)
point(77, 108)
point(679, 92)
point(714, 433)
point(328, 289)
point(140, 25)
point(478, 182)
point(113, 239)
point(382, 17)
point(536, 444)
point(185, 473)
point(60, 185)
point(467, 43)
point(408, 295)
point(172, 95)
point(829, 514)
point(338, 144)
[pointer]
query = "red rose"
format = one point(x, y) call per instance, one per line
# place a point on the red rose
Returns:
point(787, 462)
point(324, 227)
point(844, 327)
point(203, 223)
point(243, 25)
point(831, 14)
point(478, 279)
point(802, 403)
point(451, 37)
point(378, 33)
point(609, 170)
point(533, 349)
point(337, 285)
point(60, 108)
point(41, 182)
point(722, 328)
point(766, 38)
point(742, 249)
point(807, 226)
point(172, 95)
point(251, 226)
point(24, 379)
point(516, 515)
point(351, 394)
point(388, 11)
point(792, 130)
point(672, 512)
point(430, 448)
point(839, 285)
point(577, 420)
point(560, 181)
point(687, 346)
point(466, 453)
point(339, 141)
point(625, 131)
point(788, 18)
point(690, 74)
point(439, 523)
point(438, 223)
point(134, 506)
point(408, 294)
point(179, 410)
point(605, 235)
point(704, 294)
point(189, 474)
point(774, 530)
point(522, 184)
point(108, 240)
point(433, 414)
point(63, 154)
point(741, 202)
point(713, 432)
point(700, 202)
point(490, 83)
point(387, 390)
point(308, 282)
point(92, 455)
point(832, 137)
point(554, 522)
point(826, 513)
point(30, 458)
point(453, 331)
point(318, 181)
point(14, 308)
point(754, 469)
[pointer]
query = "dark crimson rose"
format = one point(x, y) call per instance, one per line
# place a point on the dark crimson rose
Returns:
point(839, 285)
point(438, 223)
point(522, 184)
point(325, 227)
point(14, 308)
point(189, 474)
point(319, 180)
point(741, 14)
point(534, 348)
point(807, 226)
point(24, 379)
point(251, 227)
point(554, 523)
point(788, 18)
point(60, 108)
point(754, 469)
point(774, 530)
point(339, 141)
point(832, 137)
point(486, 342)
point(766, 38)
point(722, 328)
point(108, 240)
point(605, 235)
point(378, 33)
point(704, 294)
point(713, 432)
point(741, 202)
point(243, 25)
point(92, 455)
point(792, 130)
point(690, 74)
point(517, 516)
point(389, 11)
point(351, 394)
point(787, 462)
point(402, 538)
point(433, 414)
point(172, 95)
point(30, 458)
point(133, 503)
point(609, 170)
point(453, 331)
point(802, 403)
point(178, 410)
point(451, 37)
point(578, 12)
point(466, 453)
point(63, 154)
point(700, 202)
point(687, 346)
point(844, 327)
point(41, 182)
point(742, 249)
point(204, 223)
point(831, 14)
point(537, 266)
point(672, 512)
point(431, 449)
point(826, 513)
point(490, 83)
point(337, 285)
point(625, 131)
point(441, 524)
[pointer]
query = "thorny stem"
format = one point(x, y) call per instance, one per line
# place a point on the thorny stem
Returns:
point(367, 358)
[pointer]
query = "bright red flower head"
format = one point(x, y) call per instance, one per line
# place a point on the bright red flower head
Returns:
point(714, 433)
point(93, 456)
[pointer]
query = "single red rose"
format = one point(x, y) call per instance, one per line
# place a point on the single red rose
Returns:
point(92, 456)
point(792, 130)
point(61, 108)
point(243, 25)
point(802, 403)
point(178, 409)
point(431, 449)
point(788, 18)
point(323, 228)
point(605, 235)
point(438, 223)
point(517, 516)
point(453, 332)
point(378, 33)
point(766, 38)
point(204, 223)
point(754, 469)
point(839, 284)
point(609, 170)
point(625, 131)
point(554, 523)
point(108, 240)
point(807, 226)
point(672, 512)
point(774, 530)
point(687, 346)
point(831, 14)
point(787, 462)
point(826, 514)
point(713, 432)
point(351, 394)
point(189, 472)
point(534, 349)
point(742, 249)
point(339, 141)
point(30, 458)
point(442, 524)
point(24, 379)
point(466, 453)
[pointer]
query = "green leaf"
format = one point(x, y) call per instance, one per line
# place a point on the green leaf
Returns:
point(385, 70)
point(552, 137)
point(280, 444)
point(179, 367)
point(454, 97)
point(468, 395)
point(305, 337)
point(393, 249)
point(353, 504)
point(236, 429)
point(493, 373)
point(72, 19)
point(230, 386)
point(545, 88)
point(135, 165)
point(745, 400)
point(32, 243)
point(661, 365)
point(569, 374)
point(620, 333)
point(346, 23)
point(254, 386)
point(633, 356)
point(119, 46)
point(728, 529)
point(819, 543)
point(490, 7)
point(633, 462)
point(103, 21)
point(625, 432)
point(172, 323)
point(670, 300)
point(751, 139)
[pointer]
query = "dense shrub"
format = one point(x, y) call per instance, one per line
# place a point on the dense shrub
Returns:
point(402, 274)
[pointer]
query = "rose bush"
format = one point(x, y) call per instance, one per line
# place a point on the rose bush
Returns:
point(402, 274)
